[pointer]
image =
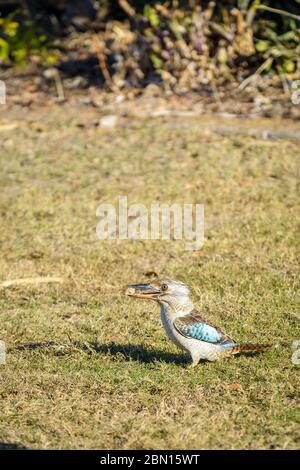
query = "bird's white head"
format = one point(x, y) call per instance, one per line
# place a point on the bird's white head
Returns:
point(174, 294)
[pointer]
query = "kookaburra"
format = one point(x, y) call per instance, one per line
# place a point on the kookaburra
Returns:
point(187, 328)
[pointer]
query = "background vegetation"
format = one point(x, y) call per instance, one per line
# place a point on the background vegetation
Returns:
point(87, 367)
point(185, 45)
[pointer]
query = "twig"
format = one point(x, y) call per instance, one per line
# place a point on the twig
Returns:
point(33, 280)
point(256, 74)
point(59, 87)
point(276, 10)
point(52, 73)
point(284, 83)
point(127, 8)
point(99, 48)
point(221, 31)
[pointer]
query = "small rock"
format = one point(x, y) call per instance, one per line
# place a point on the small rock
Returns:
point(152, 90)
point(108, 121)
point(120, 99)
point(50, 73)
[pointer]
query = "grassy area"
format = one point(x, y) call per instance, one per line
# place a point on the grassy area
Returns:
point(89, 368)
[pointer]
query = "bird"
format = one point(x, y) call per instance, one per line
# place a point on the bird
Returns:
point(185, 326)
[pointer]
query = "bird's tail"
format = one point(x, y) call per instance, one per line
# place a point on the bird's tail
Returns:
point(248, 348)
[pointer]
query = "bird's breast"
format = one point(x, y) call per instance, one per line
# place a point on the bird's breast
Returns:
point(167, 320)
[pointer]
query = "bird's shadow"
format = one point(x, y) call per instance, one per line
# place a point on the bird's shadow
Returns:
point(11, 446)
point(129, 352)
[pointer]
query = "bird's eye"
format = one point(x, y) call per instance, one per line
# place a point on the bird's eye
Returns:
point(164, 287)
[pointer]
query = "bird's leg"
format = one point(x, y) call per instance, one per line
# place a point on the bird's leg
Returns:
point(195, 360)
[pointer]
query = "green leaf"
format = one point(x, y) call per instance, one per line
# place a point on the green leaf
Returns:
point(262, 46)
point(288, 66)
point(20, 55)
point(156, 61)
point(51, 59)
point(4, 50)
point(151, 14)
point(290, 35)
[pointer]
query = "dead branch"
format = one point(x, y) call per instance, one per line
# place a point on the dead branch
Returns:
point(99, 48)
point(127, 8)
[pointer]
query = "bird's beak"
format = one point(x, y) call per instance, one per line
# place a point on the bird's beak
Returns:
point(142, 291)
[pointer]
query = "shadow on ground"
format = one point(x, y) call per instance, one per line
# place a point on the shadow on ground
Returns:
point(11, 446)
point(129, 352)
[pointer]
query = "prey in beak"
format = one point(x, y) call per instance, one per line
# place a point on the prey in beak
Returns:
point(143, 291)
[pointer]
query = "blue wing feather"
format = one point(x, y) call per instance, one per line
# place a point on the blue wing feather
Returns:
point(203, 332)
point(196, 327)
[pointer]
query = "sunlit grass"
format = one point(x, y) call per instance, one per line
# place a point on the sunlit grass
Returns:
point(89, 368)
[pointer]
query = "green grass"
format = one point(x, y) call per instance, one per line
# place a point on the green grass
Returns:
point(89, 368)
